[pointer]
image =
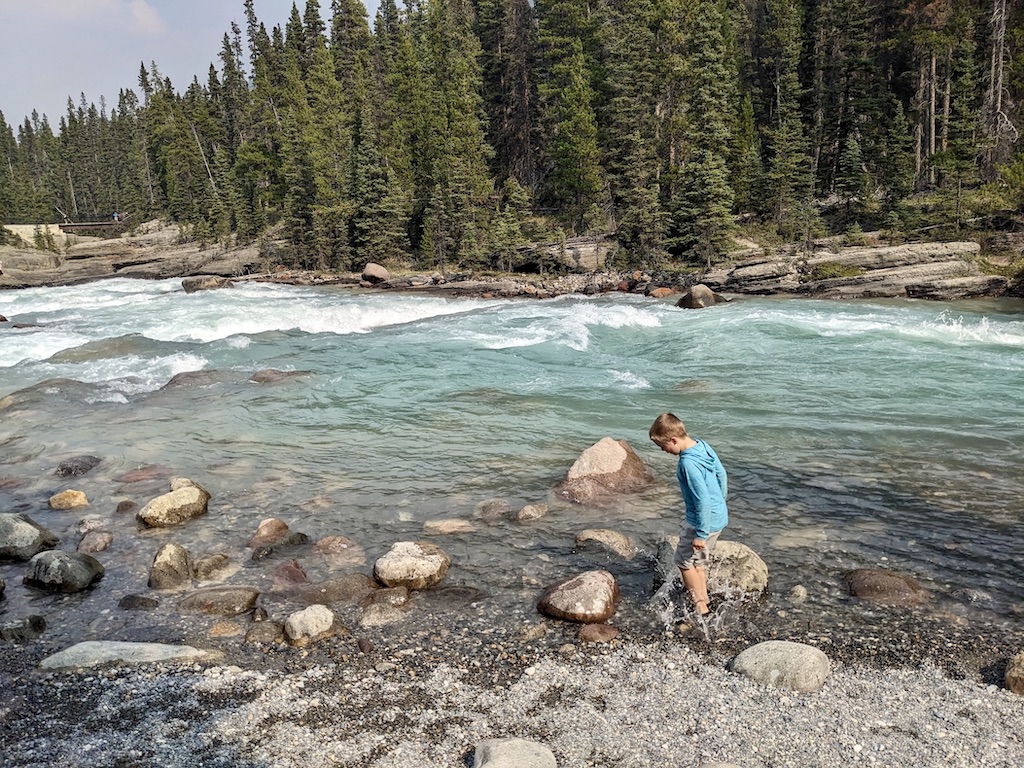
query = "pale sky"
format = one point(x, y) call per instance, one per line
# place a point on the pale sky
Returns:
point(52, 49)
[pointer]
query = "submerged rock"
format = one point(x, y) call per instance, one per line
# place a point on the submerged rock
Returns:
point(23, 630)
point(79, 465)
point(885, 587)
point(220, 601)
point(613, 541)
point(172, 567)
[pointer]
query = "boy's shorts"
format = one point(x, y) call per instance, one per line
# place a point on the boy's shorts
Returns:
point(686, 556)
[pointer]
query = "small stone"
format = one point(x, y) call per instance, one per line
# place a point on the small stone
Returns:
point(95, 541)
point(598, 633)
point(265, 633)
point(223, 629)
point(317, 622)
point(137, 603)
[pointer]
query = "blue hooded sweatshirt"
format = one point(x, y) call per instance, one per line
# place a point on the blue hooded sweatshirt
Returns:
point(704, 485)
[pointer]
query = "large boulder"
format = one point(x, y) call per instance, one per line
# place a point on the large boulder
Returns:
point(885, 587)
point(412, 564)
point(587, 597)
point(185, 501)
point(784, 664)
point(57, 571)
point(734, 566)
point(604, 470)
point(374, 273)
point(698, 297)
point(21, 537)
point(737, 566)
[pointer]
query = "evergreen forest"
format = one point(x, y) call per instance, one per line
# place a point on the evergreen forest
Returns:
point(445, 133)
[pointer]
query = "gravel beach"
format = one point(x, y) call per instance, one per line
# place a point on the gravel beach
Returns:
point(620, 704)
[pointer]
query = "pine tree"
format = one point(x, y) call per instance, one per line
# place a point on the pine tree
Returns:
point(788, 183)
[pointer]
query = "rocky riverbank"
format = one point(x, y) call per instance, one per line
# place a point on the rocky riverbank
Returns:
point(940, 271)
point(395, 670)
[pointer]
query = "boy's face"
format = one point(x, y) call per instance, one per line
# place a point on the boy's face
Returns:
point(673, 445)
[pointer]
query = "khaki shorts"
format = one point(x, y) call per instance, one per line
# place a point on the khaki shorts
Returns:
point(686, 556)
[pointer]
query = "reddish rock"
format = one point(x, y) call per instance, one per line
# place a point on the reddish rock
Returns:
point(661, 293)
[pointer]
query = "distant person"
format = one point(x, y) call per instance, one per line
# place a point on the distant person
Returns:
point(704, 485)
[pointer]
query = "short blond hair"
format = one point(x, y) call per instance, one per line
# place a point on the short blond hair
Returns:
point(667, 426)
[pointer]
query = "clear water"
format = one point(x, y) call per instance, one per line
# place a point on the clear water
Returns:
point(885, 434)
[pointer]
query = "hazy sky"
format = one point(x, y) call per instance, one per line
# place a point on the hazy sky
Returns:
point(52, 49)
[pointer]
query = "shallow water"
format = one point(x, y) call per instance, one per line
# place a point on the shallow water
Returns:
point(884, 433)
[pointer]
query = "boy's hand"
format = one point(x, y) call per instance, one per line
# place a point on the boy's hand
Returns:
point(699, 543)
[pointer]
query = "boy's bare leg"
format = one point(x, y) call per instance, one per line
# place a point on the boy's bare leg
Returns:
point(696, 582)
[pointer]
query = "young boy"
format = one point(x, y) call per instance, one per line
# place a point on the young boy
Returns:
point(704, 485)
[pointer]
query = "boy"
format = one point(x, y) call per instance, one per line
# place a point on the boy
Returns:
point(704, 485)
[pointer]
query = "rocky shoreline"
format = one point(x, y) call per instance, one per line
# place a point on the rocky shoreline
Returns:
point(395, 670)
point(828, 269)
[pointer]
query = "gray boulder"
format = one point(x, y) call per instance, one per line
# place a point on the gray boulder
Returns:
point(94, 652)
point(57, 571)
point(21, 537)
point(512, 753)
point(784, 664)
point(604, 470)
point(587, 597)
point(185, 501)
